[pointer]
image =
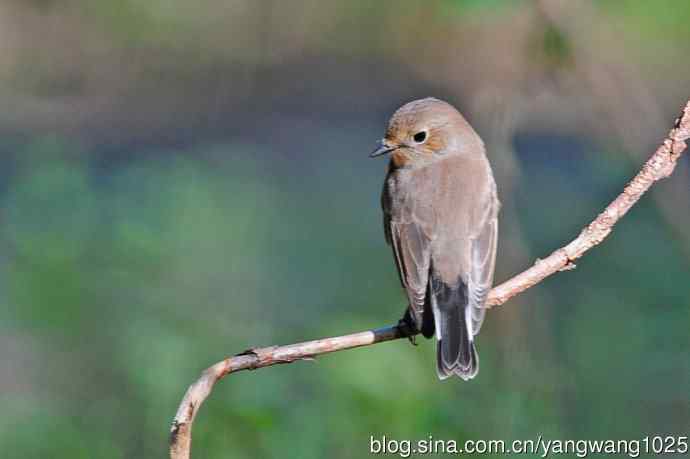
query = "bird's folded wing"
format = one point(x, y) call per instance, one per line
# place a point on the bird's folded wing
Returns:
point(483, 261)
point(412, 256)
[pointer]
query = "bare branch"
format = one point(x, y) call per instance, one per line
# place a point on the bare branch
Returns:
point(660, 165)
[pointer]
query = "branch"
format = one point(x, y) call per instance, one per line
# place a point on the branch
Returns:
point(660, 165)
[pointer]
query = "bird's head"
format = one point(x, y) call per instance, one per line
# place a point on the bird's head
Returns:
point(424, 131)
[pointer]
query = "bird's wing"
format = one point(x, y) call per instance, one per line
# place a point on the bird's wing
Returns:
point(483, 261)
point(412, 256)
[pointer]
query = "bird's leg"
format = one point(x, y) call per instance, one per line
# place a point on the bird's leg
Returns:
point(408, 325)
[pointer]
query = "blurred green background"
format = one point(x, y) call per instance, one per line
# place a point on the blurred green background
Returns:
point(180, 181)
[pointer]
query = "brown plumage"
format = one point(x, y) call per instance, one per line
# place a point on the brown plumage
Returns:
point(440, 218)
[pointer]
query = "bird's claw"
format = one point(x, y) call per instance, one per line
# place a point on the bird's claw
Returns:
point(407, 326)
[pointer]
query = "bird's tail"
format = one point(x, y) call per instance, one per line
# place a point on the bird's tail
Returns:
point(455, 350)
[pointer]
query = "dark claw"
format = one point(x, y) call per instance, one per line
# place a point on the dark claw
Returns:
point(408, 327)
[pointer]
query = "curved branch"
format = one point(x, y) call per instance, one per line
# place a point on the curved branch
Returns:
point(660, 165)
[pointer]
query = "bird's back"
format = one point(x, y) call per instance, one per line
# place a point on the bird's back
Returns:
point(443, 199)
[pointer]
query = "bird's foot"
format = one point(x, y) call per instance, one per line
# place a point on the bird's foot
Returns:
point(408, 326)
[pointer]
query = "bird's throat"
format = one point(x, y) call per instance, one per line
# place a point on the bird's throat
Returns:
point(399, 159)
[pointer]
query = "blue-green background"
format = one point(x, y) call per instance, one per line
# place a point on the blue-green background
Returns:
point(180, 181)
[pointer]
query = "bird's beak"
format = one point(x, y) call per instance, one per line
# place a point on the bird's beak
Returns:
point(383, 148)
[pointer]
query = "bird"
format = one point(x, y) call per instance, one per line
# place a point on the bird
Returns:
point(440, 217)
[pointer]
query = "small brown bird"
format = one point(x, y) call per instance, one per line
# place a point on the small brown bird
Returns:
point(440, 217)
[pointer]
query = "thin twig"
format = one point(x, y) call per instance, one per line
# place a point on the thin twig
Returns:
point(660, 165)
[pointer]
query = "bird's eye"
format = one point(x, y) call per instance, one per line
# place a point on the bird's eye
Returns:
point(419, 137)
